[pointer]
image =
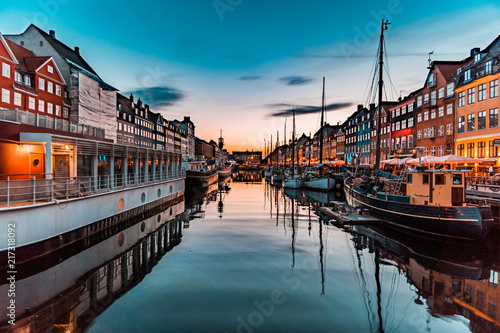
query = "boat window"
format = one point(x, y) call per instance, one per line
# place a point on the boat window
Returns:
point(410, 179)
point(440, 179)
point(425, 178)
point(457, 179)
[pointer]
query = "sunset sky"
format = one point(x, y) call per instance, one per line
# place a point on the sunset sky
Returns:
point(236, 65)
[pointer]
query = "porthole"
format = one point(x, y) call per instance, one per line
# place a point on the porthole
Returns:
point(121, 239)
point(121, 204)
point(36, 162)
point(143, 197)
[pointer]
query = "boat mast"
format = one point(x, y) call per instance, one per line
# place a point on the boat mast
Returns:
point(380, 88)
point(321, 125)
point(293, 143)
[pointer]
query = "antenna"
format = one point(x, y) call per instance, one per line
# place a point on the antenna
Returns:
point(429, 60)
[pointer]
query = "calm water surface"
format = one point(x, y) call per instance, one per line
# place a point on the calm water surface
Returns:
point(256, 259)
point(266, 263)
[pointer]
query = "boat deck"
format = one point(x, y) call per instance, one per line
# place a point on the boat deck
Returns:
point(346, 216)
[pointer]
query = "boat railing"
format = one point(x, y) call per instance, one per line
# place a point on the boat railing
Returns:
point(32, 189)
point(481, 183)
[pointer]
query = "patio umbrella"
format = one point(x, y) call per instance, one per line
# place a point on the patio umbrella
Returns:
point(454, 159)
point(425, 160)
point(397, 161)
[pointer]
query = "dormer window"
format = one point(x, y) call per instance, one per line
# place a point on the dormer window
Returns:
point(488, 67)
point(431, 81)
point(50, 69)
point(477, 57)
point(467, 75)
point(27, 80)
point(18, 77)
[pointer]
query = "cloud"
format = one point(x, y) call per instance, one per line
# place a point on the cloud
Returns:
point(158, 96)
point(296, 80)
point(250, 78)
point(287, 109)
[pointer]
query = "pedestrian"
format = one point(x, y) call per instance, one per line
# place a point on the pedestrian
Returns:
point(491, 170)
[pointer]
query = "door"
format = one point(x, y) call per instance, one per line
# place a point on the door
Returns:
point(61, 166)
point(37, 165)
point(457, 196)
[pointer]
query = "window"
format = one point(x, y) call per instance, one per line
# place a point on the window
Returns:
point(481, 120)
point(50, 87)
point(431, 81)
point(58, 110)
point(409, 178)
point(441, 111)
point(419, 118)
point(41, 106)
point(441, 93)
point(410, 122)
point(493, 149)
point(439, 179)
point(31, 103)
point(410, 141)
point(419, 101)
point(18, 77)
point(17, 99)
point(494, 88)
point(460, 149)
point(425, 179)
point(467, 75)
point(481, 149)
point(433, 114)
point(426, 115)
point(471, 96)
point(481, 92)
point(449, 129)
point(419, 134)
point(41, 84)
point(426, 98)
point(461, 99)
point(50, 69)
point(471, 122)
point(27, 80)
point(398, 110)
point(403, 124)
point(494, 118)
point(457, 179)
point(65, 112)
point(50, 108)
point(461, 124)
point(410, 107)
point(441, 151)
point(441, 130)
point(433, 98)
point(58, 90)
point(449, 89)
point(470, 149)
point(5, 95)
point(487, 67)
point(6, 70)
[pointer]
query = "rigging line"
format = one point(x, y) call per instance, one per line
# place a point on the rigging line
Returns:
point(386, 65)
point(372, 74)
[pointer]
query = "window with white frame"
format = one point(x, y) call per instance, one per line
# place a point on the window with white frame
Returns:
point(441, 93)
point(426, 151)
point(471, 93)
point(441, 130)
point(441, 111)
point(467, 75)
point(471, 122)
point(431, 81)
point(494, 88)
point(449, 129)
point(17, 99)
point(433, 114)
point(50, 69)
point(41, 84)
point(403, 142)
point(410, 107)
point(27, 80)
point(5, 95)
point(449, 89)
point(419, 134)
point(18, 77)
point(461, 99)
point(41, 106)
point(5, 70)
point(419, 118)
point(50, 108)
point(441, 151)
point(58, 110)
point(426, 115)
point(487, 67)
point(433, 97)
point(410, 141)
point(481, 92)
point(403, 110)
point(398, 126)
point(419, 101)
point(426, 98)
point(58, 90)
point(50, 87)
point(433, 151)
point(31, 103)
point(403, 124)
point(410, 122)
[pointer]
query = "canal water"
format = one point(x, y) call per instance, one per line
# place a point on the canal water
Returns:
point(249, 257)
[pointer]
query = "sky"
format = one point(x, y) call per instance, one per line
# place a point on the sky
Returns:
point(239, 65)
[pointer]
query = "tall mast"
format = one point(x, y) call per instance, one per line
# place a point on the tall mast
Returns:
point(321, 125)
point(293, 143)
point(380, 88)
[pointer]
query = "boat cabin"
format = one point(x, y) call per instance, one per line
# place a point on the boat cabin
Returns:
point(436, 187)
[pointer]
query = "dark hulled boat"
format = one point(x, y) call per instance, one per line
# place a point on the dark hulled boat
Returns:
point(203, 176)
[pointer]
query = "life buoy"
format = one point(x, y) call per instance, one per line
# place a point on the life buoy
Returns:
point(82, 187)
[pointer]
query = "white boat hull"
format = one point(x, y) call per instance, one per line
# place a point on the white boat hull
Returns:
point(321, 184)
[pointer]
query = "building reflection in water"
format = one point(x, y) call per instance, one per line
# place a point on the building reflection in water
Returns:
point(68, 296)
point(247, 176)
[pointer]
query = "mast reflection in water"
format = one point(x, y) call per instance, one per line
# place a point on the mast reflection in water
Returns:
point(257, 258)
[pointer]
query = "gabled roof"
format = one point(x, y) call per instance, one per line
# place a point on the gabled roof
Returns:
point(34, 63)
point(65, 51)
point(19, 53)
point(6, 44)
point(448, 69)
point(125, 104)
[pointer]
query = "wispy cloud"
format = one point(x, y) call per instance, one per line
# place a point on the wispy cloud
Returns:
point(158, 96)
point(296, 80)
point(286, 110)
point(250, 78)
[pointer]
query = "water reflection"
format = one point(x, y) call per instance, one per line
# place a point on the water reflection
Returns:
point(247, 176)
point(68, 296)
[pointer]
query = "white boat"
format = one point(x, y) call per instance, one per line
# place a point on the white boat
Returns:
point(295, 182)
point(325, 183)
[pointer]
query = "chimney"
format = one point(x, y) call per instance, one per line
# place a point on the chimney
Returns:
point(77, 50)
point(372, 106)
point(52, 34)
point(475, 51)
point(187, 119)
point(360, 107)
point(131, 98)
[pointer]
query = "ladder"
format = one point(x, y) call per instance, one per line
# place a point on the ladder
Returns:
point(401, 179)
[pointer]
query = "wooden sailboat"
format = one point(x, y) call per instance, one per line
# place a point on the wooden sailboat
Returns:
point(431, 202)
point(315, 180)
